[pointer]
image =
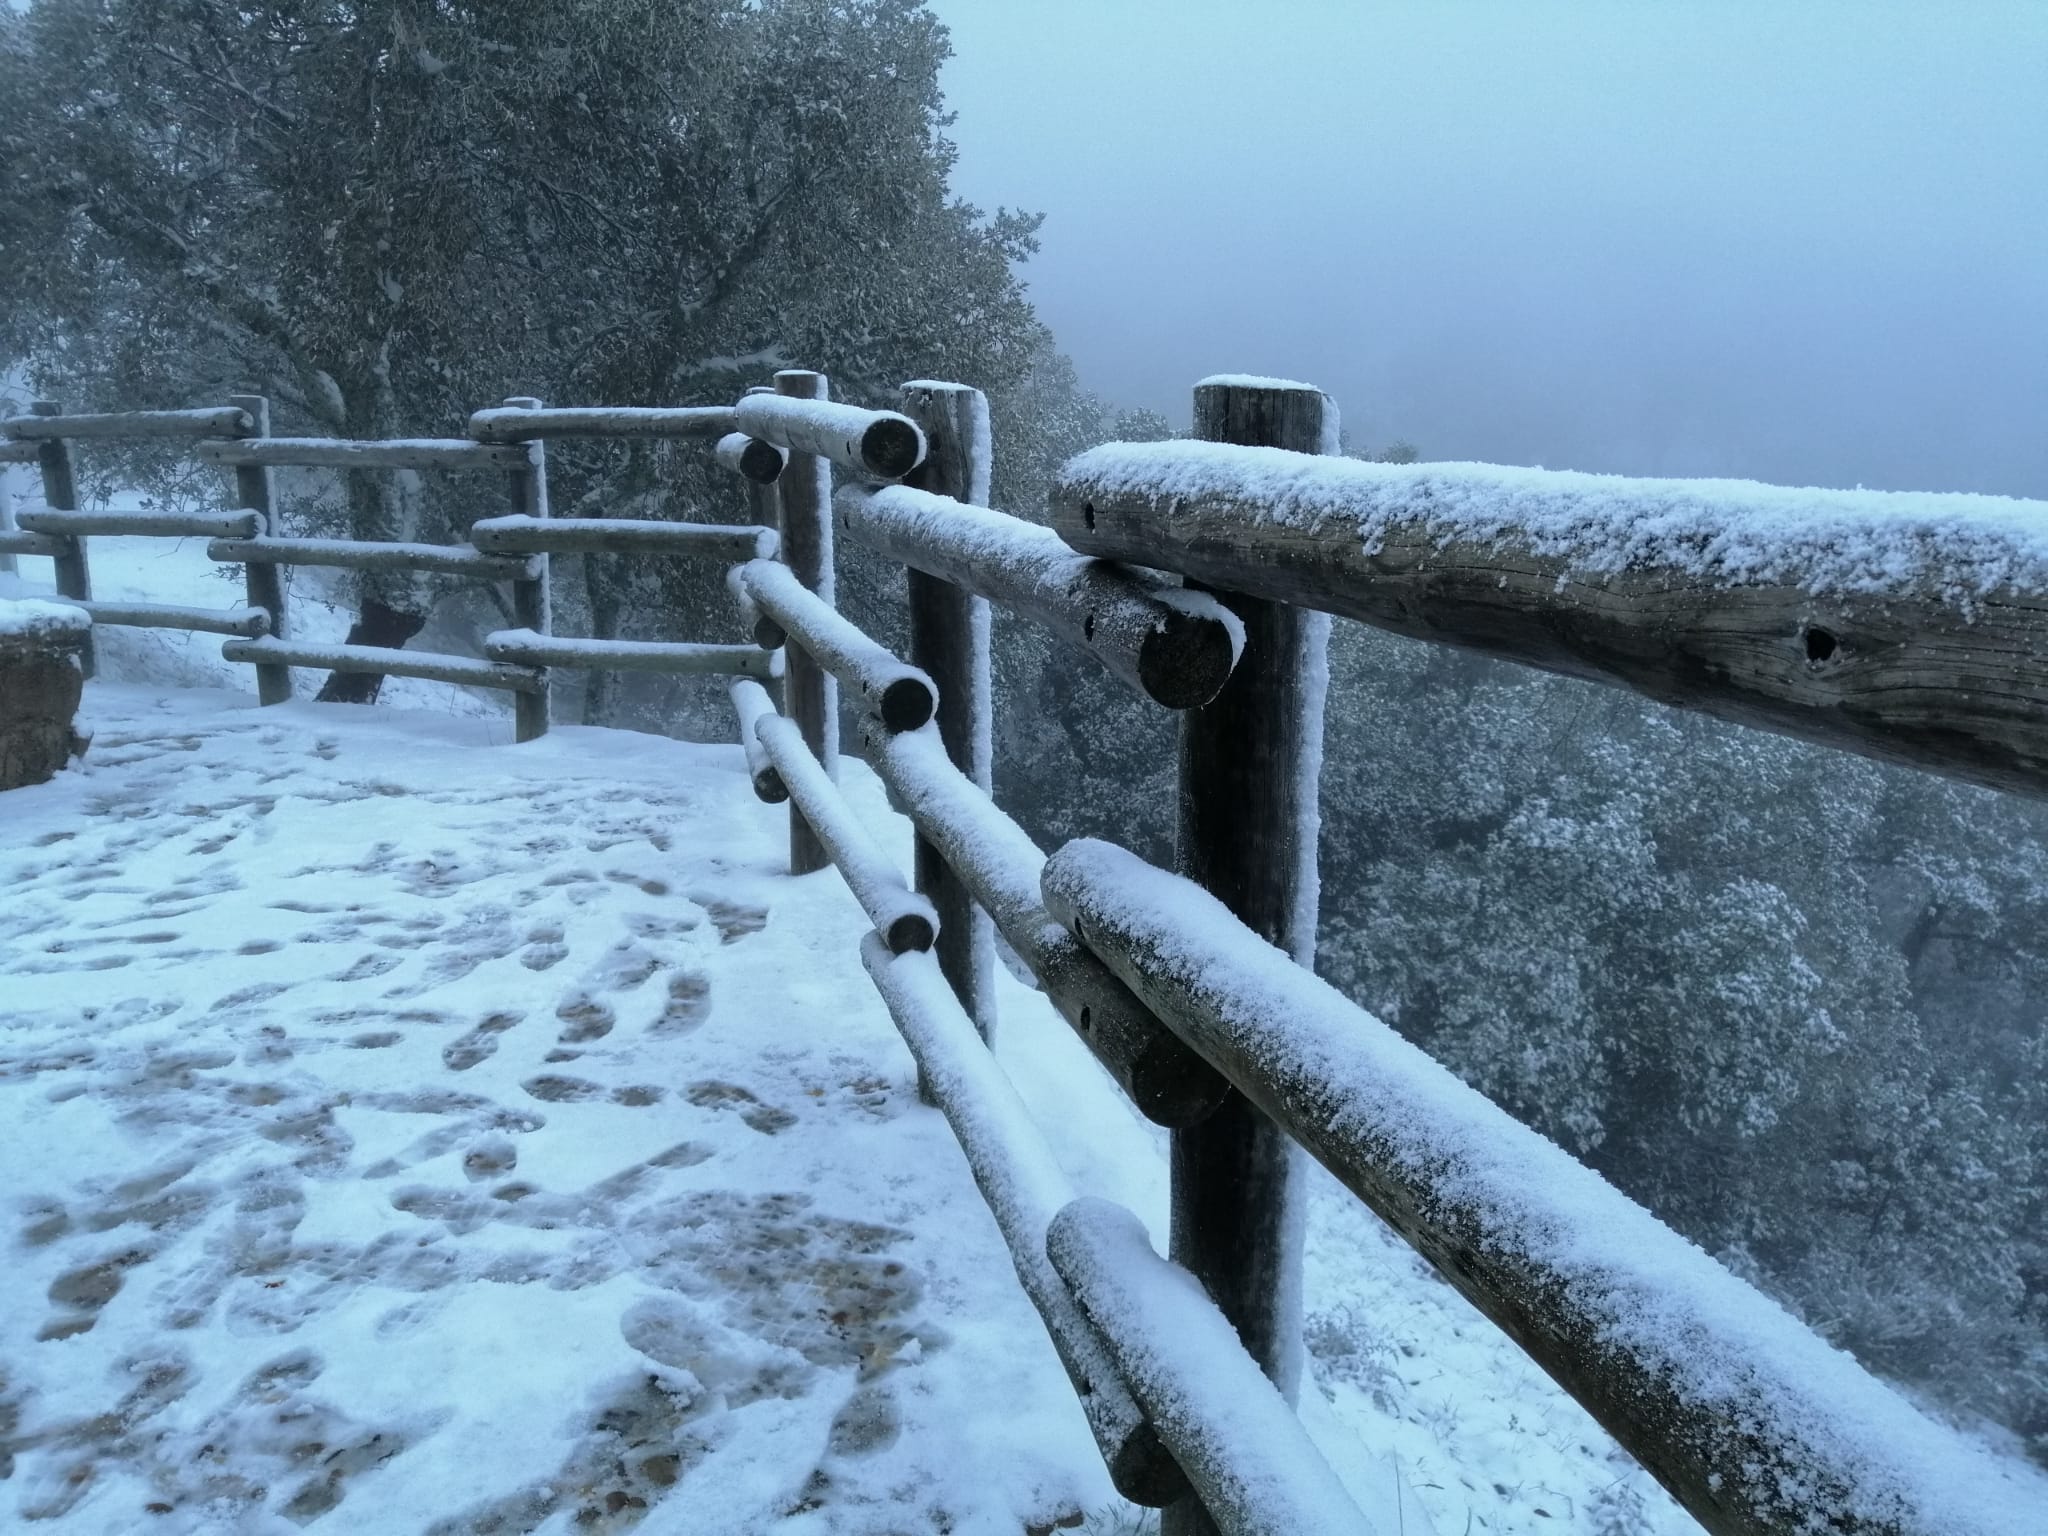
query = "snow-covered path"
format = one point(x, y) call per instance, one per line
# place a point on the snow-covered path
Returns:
point(427, 1135)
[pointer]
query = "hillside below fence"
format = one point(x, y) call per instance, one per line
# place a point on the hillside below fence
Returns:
point(1202, 575)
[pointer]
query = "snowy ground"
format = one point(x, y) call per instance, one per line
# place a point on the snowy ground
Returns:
point(408, 1132)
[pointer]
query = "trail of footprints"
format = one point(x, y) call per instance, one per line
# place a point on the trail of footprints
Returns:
point(245, 1150)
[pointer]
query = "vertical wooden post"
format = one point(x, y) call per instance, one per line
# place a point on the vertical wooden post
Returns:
point(263, 580)
point(60, 493)
point(810, 696)
point(949, 638)
point(532, 604)
point(1248, 825)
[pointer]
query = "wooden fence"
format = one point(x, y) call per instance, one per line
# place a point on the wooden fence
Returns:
point(1202, 575)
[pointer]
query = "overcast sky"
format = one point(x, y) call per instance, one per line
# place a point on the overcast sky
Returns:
point(1790, 239)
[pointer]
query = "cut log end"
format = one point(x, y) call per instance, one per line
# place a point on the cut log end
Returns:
point(769, 788)
point(906, 703)
point(1185, 663)
point(891, 448)
point(1145, 1472)
point(761, 462)
point(911, 931)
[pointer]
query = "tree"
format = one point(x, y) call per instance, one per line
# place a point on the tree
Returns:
point(388, 212)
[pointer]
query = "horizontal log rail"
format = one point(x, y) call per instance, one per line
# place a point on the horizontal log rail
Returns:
point(208, 421)
point(1169, 645)
point(1020, 1179)
point(19, 541)
point(465, 670)
point(18, 453)
point(502, 424)
point(437, 559)
point(246, 623)
point(883, 445)
point(450, 453)
point(903, 918)
point(751, 458)
point(1753, 1423)
point(902, 695)
point(240, 523)
point(1901, 626)
point(1226, 1425)
point(527, 647)
point(750, 702)
point(1000, 865)
point(722, 542)
point(767, 634)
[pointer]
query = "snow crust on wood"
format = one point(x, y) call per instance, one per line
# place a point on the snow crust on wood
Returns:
point(446, 559)
point(750, 702)
point(901, 694)
point(531, 648)
point(145, 522)
point(879, 444)
point(245, 622)
point(33, 618)
point(510, 424)
point(521, 534)
point(1151, 634)
point(455, 453)
point(1021, 1180)
point(1240, 1444)
point(466, 670)
point(1818, 1433)
point(1728, 532)
point(905, 919)
point(207, 421)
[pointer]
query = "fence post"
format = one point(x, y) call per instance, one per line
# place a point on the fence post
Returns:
point(60, 494)
point(263, 580)
point(810, 696)
point(949, 638)
point(532, 604)
point(1249, 761)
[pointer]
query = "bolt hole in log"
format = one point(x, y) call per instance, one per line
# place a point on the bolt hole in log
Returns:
point(1820, 645)
point(1088, 627)
point(1088, 515)
point(1087, 1020)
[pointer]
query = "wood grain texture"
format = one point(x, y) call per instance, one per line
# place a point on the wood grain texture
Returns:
point(526, 497)
point(675, 658)
point(452, 453)
point(60, 494)
point(442, 559)
point(384, 661)
point(210, 421)
point(512, 425)
point(721, 542)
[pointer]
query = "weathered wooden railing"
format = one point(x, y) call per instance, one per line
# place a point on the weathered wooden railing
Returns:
point(1912, 628)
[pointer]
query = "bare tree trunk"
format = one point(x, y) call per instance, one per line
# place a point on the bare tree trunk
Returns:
point(376, 624)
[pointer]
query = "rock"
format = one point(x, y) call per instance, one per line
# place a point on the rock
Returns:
point(40, 684)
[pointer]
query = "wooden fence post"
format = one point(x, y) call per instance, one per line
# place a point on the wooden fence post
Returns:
point(949, 638)
point(263, 581)
point(1247, 832)
point(810, 696)
point(60, 493)
point(532, 605)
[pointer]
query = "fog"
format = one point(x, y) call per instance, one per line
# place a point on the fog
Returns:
point(1804, 243)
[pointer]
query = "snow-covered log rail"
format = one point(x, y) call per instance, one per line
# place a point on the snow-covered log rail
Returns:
point(1227, 1426)
point(904, 919)
point(502, 424)
point(1911, 627)
point(17, 453)
point(751, 458)
point(722, 542)
point(1755, 1424)
point(449, 453)
point(247, 623)
point(883, 445)
point(672, 657)
point(438, 559)
point(208, 421)
point(1173, 646)
point(750, 702)
point(19, 541)
point(465, 670)
point(901, 694)
point(1020, 1179)
point(1000, 865)
point(237, 523)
